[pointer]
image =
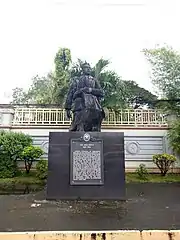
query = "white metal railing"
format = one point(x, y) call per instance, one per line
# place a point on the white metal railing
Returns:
point(127, 117)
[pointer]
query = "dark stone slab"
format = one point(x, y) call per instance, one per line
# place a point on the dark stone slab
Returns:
point(111, 185)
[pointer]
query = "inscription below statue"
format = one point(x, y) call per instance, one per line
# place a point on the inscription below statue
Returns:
point(86, 162)
point(83, 99)
point(86, 165)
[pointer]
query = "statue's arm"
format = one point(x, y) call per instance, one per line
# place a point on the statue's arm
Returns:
point(70, 94)
point(97, 91)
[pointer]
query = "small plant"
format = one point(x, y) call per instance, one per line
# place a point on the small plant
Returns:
point(29, 155)
point(42, 169)
point(163, 162)
point(142, 172)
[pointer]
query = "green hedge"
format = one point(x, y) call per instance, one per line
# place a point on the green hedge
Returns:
point(13, 147)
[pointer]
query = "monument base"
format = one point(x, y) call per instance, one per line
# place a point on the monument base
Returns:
point(87, 169)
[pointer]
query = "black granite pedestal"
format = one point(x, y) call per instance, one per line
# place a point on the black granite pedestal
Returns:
point(87, 166)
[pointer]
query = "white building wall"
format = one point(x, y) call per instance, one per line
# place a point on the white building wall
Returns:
point(140, 144)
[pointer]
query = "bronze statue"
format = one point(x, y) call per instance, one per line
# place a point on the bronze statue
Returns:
point(83, 99)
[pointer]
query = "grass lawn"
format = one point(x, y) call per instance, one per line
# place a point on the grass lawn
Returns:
point(21, 180)
point(153, 178)
point(130, 178)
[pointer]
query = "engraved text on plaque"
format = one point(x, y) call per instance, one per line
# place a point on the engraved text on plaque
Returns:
point(86, 162)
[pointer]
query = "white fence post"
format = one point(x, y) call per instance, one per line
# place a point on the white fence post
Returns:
point(6, 117)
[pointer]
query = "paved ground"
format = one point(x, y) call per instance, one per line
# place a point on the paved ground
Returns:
point(148, 206)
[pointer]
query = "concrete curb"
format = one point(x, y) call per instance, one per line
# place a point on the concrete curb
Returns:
point(96, 235)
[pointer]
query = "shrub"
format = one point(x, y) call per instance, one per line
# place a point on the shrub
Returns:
point(29, 155)
point(13, 143)
point(42, 169)
point(11, 147)
point(163, 162)
point(142, 172)
point(174, 136)
point(8, 167)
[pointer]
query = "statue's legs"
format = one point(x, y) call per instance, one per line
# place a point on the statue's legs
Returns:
point(96, 129)
point(80, 127)
point(77, 123)
point(97, 120)
point(73, 127)
point(87, 120)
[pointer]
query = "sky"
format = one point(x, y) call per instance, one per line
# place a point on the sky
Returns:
point(33, 30)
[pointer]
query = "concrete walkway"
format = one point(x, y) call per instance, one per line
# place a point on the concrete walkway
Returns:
point(148, 206)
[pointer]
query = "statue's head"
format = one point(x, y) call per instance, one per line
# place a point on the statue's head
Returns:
point(86, 68)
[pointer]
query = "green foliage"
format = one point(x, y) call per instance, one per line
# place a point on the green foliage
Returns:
point(8, 167)
point(62, 61)
point(42, 169)
point(142, 172)
point(165, 63)
point(137, 96)
point(19, 96)
point(30, 154)
point(174, 136)
point(114, 91)
point(76, 69)
point(153, 178)
point(163, 162)
point(13, 143)
point(41, 90)
point(62, 74)
point(11, 148)
point(100, 67)
point(52, 89)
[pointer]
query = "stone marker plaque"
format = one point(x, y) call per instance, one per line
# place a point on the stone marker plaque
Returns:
point(86, 166)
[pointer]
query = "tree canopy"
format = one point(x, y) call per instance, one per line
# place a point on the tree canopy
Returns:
point(165, 65)
point(52, 89)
